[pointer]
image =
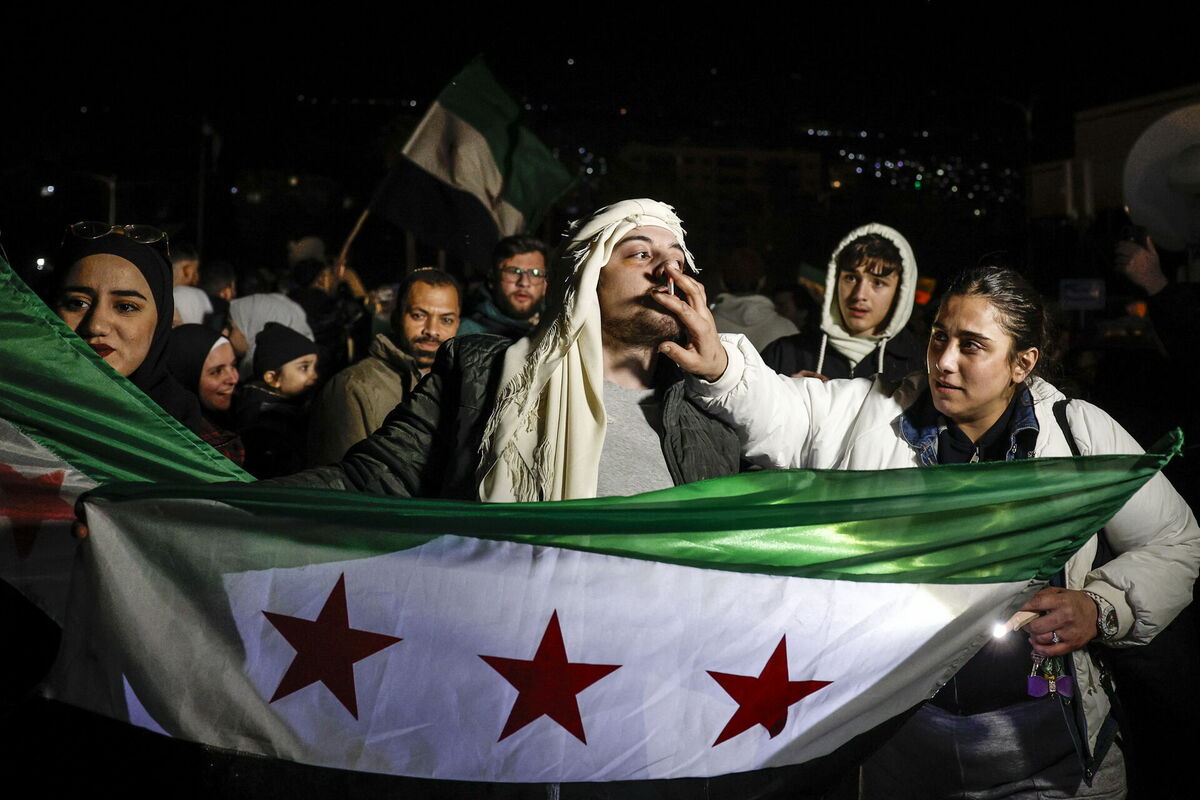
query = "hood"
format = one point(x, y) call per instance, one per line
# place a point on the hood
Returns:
point(831, 317)
point(857, 348)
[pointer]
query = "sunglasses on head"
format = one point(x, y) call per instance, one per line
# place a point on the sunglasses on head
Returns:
point(142, 234)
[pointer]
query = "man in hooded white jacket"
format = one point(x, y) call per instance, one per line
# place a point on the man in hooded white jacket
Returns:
point(870, 286)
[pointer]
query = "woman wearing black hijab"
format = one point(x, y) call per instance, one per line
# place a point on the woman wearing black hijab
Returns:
point(204, 363)
point(116, 294)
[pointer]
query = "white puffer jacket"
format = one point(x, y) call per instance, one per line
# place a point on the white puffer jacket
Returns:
point(854, 424)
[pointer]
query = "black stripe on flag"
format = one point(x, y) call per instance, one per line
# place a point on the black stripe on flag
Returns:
point(437, 213)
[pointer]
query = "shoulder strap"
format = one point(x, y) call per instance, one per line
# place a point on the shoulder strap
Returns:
point(1104, 551)
point(1116, 719)
point(1060, 414)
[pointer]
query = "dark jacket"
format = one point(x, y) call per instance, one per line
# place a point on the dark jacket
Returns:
point(429, 445)
point(486, 317)
point(904, 353)
point(272, 428)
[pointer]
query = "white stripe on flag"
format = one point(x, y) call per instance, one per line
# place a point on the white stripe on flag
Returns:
point(454, 152)
point(430, 706)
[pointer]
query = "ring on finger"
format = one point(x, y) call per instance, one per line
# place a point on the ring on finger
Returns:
point(1054, 638)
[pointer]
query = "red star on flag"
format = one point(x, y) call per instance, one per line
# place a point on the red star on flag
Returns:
point(327, 649)
point(548, 684)
point(763, 700)
point(28, 502)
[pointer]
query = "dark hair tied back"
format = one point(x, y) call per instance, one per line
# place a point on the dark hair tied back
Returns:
point(1021, 309)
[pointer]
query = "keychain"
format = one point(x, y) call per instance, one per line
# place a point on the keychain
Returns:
point(1047, 677)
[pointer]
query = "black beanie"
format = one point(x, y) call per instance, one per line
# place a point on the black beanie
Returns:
point(278, 344)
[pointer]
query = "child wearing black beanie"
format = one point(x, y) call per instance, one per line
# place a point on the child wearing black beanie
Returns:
point(271, 411)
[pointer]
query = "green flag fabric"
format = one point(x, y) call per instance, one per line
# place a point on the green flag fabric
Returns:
point(68, 421)
point(752, 621)
point(62, 395)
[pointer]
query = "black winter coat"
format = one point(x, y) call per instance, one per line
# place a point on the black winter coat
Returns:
point(789, 355)
point(429, 445)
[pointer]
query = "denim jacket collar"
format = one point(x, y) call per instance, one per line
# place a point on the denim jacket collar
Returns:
point(920, 425)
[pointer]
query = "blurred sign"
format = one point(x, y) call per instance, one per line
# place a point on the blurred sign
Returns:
point(925, 289)
point(1081, 294)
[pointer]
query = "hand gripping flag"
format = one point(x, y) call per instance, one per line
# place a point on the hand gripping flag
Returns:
point(753, 621)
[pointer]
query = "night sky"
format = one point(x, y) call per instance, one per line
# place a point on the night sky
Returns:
point(333, 98)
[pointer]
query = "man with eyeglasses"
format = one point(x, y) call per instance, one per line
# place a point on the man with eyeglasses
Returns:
point(511, 301)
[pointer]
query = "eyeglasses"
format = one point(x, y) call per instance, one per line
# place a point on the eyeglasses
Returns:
point(513, 274)
point(142, 234)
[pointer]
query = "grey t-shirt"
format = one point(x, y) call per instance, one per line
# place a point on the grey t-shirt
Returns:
point(632, 460)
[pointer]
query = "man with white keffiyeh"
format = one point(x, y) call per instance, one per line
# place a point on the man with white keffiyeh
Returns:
point(586, 405)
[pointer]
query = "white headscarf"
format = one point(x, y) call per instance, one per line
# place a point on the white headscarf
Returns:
point(252, 313)
point(544, 438)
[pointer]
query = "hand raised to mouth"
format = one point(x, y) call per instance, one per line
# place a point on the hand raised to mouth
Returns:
point(703, 356)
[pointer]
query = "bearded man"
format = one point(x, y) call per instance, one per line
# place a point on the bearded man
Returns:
point(585, 406)
point(511, 302)
point(356, 401)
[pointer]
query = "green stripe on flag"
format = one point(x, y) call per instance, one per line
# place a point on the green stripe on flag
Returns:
point(966, 523)
point(66, 398)
point(533, 178)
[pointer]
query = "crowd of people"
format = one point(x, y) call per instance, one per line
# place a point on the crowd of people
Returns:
point(603, 369)
point(277, 381)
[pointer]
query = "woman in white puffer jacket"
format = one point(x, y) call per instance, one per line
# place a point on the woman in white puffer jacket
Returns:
point(979, 401)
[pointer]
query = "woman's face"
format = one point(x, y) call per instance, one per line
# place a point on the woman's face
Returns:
point(973, 370)
point(107, 302)
point(218, 378)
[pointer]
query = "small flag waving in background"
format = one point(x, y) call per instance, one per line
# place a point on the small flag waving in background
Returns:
point(471, 173)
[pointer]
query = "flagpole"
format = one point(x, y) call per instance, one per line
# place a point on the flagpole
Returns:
point(340, 264)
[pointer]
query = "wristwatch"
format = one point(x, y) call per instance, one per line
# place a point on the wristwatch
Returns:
point(1106, 621)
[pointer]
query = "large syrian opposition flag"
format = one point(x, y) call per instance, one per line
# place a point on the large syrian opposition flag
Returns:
point(753, 621)
point(67, 422)
point(471, 173)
